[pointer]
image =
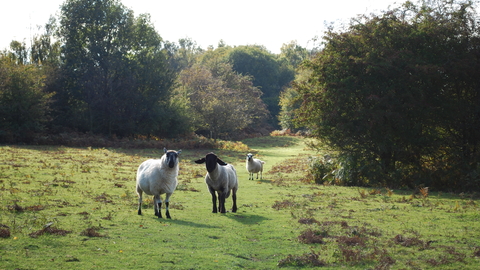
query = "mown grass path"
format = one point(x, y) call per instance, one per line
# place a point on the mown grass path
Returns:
point(75, 208)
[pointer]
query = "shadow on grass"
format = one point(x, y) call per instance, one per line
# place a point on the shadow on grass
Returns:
point(190, 224)
point(242, 218)
point(265, 181)
point(246, 219)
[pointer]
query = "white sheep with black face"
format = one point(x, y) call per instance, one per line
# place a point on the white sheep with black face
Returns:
point(254, 166)
point(156, 177)
point(221, 178)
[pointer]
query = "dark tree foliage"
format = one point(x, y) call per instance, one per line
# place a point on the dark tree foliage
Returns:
point(398, 95)
point(24, 106)
point(182, 55)
point(45, 51)
point(114, 74)
point(289, 103)
point(268, 73)
point(18, 52)
point(292, 55)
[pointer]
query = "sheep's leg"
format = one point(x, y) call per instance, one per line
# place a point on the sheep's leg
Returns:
point(157, 204)
point(234, 198)
point(261, 175)
point(159, 210)
point(250, 176)
point(221, 205)
point(139, 192)
point(214, 199)
point(167, 202)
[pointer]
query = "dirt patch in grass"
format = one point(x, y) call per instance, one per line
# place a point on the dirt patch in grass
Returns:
point(49, 230)
point(308, 221)
point(91, 232)
point(4, 231)
point(284, 204)
point(351, 241)
point(411, 241)
point(476, 252)
point(306, 260)
point(450, 256)
point(18, 208)
point(310, 236)
point(103, 198)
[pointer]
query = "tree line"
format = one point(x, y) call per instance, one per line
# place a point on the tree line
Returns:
point(98, 68)
point(396, 95)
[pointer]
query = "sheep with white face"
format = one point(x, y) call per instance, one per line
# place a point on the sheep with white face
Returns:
point(254, 166)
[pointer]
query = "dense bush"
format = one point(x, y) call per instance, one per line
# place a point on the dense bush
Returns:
point(397, 96)
point(24, 106)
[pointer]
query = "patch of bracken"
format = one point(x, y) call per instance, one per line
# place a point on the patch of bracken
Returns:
point(104, 198)
point(476, 252)
point(351, 241)
point(385, 262)
point(4, 231)
point(410, 241)
point(49, 230)
point(35, 208)
point(308, 221)
point(18, 208)
point(309, 259)
point(312, 237)
point(284, 204)
point(91, 232)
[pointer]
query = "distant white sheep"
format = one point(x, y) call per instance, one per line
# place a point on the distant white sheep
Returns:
point(254, 166)
point(156, 177)
point(222, 178)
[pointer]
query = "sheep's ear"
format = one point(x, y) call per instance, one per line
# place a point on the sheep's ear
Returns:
point(164, 149)
point(200, 161)
point(179, 151)
point(220, 162)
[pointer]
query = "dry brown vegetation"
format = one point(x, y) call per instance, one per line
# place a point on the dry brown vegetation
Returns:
point(49, 230)
point(284, 220)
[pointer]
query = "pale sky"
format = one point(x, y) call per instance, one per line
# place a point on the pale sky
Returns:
point(270, 23)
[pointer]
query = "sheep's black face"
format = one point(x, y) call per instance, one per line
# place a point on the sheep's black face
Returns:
point(211, 162)
point(249, 157)
point(172, 157)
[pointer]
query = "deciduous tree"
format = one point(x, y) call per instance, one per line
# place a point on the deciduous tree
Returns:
point(396, 94)
point(221, 100)
point(115, 77)
point(269, 74)
point(24, 106)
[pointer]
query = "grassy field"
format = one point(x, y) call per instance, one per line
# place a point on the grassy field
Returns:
point(76, 208)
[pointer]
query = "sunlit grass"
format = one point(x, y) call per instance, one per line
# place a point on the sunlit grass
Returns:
point(80, 206)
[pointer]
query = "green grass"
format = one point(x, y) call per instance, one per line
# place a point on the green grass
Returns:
point(87, 196)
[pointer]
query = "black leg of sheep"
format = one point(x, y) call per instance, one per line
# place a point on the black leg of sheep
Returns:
point(221, 205)
point(167, 213)
point(214, 199)
point(139, 192)
point(234, 198)
point(158, 212)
